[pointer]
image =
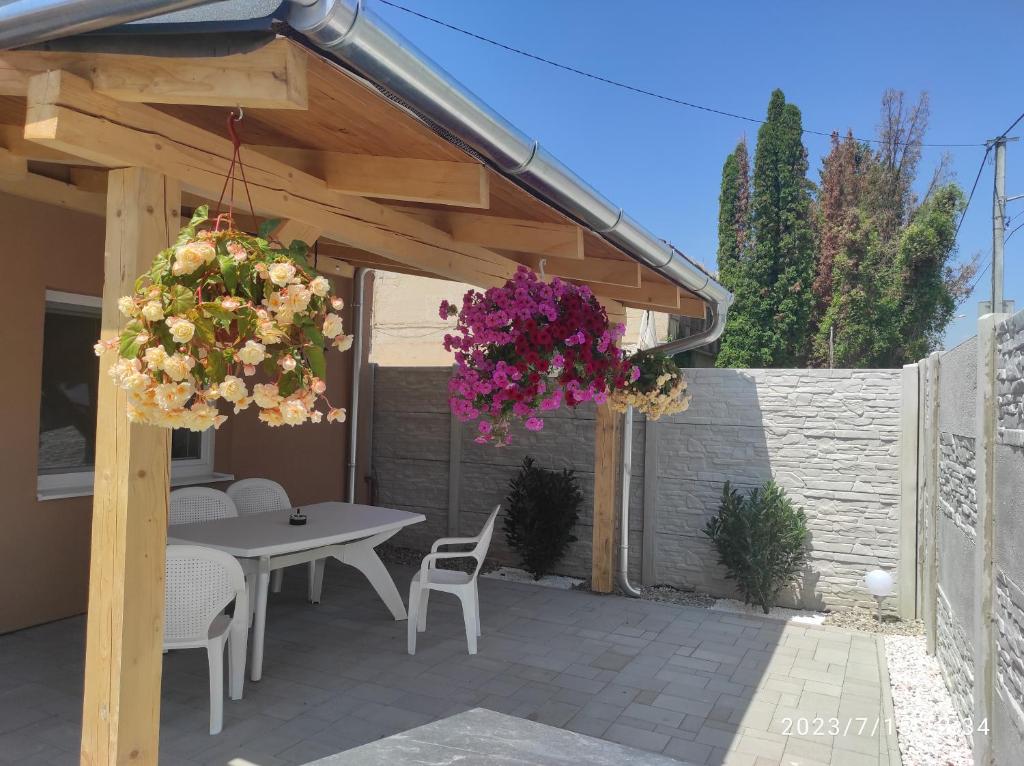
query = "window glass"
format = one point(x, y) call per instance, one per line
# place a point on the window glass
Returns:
point(67, 413)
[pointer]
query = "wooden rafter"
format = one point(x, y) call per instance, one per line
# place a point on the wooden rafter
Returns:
point(64, 113)
point(552, 240)
point(15, 179)
point(439, 182)
point(604, 271)
point(271, 77)
point(659, 296)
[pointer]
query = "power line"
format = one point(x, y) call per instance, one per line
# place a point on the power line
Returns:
point(970, 196)
point(1019, 225)
point(1005, 132)
point(627, 86)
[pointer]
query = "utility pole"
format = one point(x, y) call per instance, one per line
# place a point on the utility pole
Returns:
point(998, 221)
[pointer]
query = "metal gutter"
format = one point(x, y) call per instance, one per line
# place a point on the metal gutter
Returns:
point(27, 22)
point(357, 37)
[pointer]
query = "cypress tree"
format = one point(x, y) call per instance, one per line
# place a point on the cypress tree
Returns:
point(733, 214)
point(770, 319)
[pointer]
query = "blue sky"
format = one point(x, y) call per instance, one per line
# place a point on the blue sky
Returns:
point(662, 162)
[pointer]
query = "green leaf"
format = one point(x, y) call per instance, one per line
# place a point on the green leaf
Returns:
point(215, 366)
point(267, 227)
point(163, 334)
point(289, 383)
point(201, 214)
point(315, 356)
point(181, 300)
point(229, 271)
point(128, 344)
point(297, 251)
point(314, 335)
point(205, 329)
point(161, 265)
point(218, 313)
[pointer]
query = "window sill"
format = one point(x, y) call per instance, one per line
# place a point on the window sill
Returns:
point(85, 490)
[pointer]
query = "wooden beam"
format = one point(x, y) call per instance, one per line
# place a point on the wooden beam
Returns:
point(335, 268)
point(16, 180)
point(64, 113)
point(288, 231)
point(439, 182)
point(691, 306)
point(124, 633)
point(12, 138)
point(553, 240)
point(604, 271)
point(607, 437)
point(272, 77)
point(658, 296)
point(361, 258)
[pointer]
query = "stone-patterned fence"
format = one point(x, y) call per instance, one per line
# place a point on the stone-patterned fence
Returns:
point(971, 530)
point(831, 438)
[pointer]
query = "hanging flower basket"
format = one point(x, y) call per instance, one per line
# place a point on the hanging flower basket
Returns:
point(527, 348)
point(217, 312)
point(659, 390)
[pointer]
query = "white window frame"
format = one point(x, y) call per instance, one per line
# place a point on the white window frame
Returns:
point(51, 486)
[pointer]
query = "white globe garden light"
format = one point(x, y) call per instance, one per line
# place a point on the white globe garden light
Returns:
point(879, 585)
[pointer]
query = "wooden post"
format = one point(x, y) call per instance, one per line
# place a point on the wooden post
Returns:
point(607, 445)
point(124, 638)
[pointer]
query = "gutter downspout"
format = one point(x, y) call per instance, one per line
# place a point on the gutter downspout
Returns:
point(358, 289)
point(702, 338)
point(27, 22)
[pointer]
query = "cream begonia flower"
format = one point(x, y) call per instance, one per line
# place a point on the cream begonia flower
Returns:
point(336, 415)
point(182, 330)
point(155, 357)
point(320, 287)
point(252, 352)
point(172, 396)
point(126, 305)
point(343, 342)
point(333, 326)
point(270, 333)
point(281, 273)
point(296, 298)
point(266, 395)
point(153, 311)
point(178, 366)
point(272, 417)
point(192, 256)
point(293, 412)
point(233, 389)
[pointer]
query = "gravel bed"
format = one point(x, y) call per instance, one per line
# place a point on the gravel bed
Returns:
point(866, 621)
point(670, 595)
point(930, 734)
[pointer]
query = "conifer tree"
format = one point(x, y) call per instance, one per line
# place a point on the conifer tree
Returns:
point(733, 214)
point(770, 319)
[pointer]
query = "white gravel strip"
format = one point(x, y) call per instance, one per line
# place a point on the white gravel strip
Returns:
point(930, 733)
point(511, 574)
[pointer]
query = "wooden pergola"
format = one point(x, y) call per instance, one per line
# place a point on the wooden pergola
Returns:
point(139, 141)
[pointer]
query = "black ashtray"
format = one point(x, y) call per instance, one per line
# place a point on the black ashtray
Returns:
point(298, 518)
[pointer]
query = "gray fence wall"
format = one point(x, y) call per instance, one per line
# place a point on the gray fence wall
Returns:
point(831, 438)
point(971, 564)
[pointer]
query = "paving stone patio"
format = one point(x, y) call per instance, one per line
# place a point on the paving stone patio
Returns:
point(700, 686)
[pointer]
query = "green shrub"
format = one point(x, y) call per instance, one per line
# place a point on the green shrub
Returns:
point(543, 507)
point(761, 540)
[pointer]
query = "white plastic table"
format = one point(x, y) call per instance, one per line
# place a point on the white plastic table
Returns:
point(266, 541)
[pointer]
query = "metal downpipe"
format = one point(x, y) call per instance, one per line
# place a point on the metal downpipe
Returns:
point(27, 22)
point(358, 288)
point(627, 466)
point(702, 338)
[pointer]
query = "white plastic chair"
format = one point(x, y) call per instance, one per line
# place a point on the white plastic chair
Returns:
point(461, 584)
point(200, 583)
point(194, 504)
point(261, 496)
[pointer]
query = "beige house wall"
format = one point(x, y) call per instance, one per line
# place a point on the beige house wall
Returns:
point(44, 545)
point(407, 330)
